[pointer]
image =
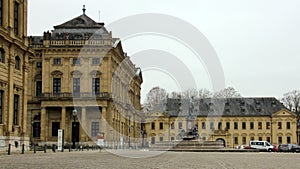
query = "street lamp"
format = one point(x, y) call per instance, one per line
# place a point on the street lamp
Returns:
point(74, 113)
point(143, 132)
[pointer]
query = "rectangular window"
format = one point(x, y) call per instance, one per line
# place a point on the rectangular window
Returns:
point(55, 127)
point(279, 140)
point(95, 129)
point(96, 85)
point(1, 12)
point(96, 61)
point(288, 140)
point(288, 125)
point(244, 125)
point(172, 126)
point(268, 139)
point(227, 125)
point(1, 105)
point(212, 125)
point(2, 56)
point(16, 109)
point(76, 86)
point(268, 126)
point(180, 125)
point(236, 140)
point(251, 138)
point(38, 89)
point(203, 125)
point(161, 125)
point(161, 139)
point(279, 125)
point(57, 61)
point(236, 125)
point(220, 126)
point(244, 140)
point(172, 138)
point(259, 138)
point(56, 85)
point(39, 64)
point(16, 18)
point(152, 126)
point(251, 125)
point(76, 61)
point(259, 125)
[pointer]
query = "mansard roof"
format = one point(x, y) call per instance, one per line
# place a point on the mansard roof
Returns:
point(220, 107)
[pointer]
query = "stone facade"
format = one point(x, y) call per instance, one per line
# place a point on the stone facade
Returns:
point(14, 56)
point(80, 68)
point(234, 121)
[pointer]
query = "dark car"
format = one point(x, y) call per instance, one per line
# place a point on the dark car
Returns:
point(295, 148)
point(284, 148)
point(288, 148)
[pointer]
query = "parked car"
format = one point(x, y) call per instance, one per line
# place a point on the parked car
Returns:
point(243, 146)
point(275, 148)
point(285, 148)
point(261, 145)
point(295, 148)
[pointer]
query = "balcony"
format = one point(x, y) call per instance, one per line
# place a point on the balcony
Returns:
point(71, 96)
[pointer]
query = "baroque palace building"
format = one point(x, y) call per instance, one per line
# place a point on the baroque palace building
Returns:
point(235, 121)
point(14, 67)
point(81, 81)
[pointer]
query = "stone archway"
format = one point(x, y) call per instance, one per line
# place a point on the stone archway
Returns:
point(222, 140)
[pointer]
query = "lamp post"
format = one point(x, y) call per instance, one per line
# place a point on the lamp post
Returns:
point(74, 113)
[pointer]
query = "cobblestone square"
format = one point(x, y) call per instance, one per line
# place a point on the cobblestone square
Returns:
point(120, 159)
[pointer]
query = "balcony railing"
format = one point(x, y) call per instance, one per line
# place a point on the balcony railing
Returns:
point(101, 95)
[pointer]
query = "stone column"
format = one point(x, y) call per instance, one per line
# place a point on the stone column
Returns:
point(10, 94)
point(43, 124)
point(63, 121)
point(25, 83)
point(85, 130)
point(104, 122)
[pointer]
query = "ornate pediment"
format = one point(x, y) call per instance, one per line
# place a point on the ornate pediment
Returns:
point(76, 73)
point(57, 73)
point(95, 73)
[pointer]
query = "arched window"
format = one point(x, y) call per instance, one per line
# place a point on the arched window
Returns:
point(2, 56)
point(17, 63)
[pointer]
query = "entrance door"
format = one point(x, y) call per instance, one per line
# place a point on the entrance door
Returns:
point(75, 132)
point(36, 129)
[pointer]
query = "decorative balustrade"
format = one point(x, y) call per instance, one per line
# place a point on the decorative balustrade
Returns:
point(102, 95)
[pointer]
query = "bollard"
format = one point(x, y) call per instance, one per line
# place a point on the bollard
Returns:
point(9, 149)
point(34, 148)
point(69, 147)
point(88, 148)
point(45, 148)
point(23, 148)
point(53, 148)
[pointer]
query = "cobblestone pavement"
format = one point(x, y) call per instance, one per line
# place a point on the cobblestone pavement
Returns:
point(107, 160)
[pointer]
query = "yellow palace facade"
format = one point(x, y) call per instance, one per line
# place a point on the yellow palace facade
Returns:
point(234, 121)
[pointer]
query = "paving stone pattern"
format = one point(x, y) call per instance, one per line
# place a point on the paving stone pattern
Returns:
point(172, 160)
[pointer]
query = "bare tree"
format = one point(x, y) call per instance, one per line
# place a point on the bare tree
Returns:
point(292, 100)
point(155, 96)
point(227, 93)
point(204, 93)
point(190, 93)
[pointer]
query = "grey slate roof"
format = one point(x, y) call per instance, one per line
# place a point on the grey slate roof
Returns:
point(221, 106)
point(82, 21)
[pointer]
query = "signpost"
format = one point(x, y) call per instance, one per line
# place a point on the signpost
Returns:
point(60, 140)
point(100, 140)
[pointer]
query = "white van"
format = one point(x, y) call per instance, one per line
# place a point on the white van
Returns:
point(261, 145)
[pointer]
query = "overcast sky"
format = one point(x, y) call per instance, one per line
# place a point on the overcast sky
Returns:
point(257, 41)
